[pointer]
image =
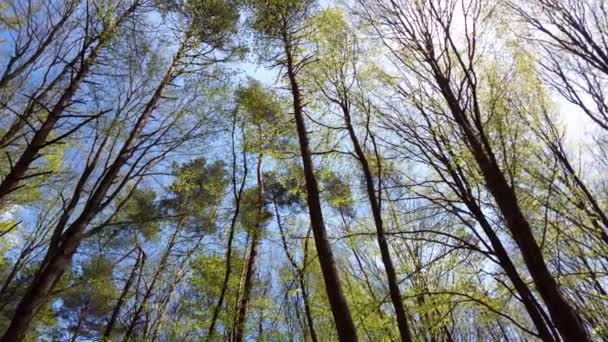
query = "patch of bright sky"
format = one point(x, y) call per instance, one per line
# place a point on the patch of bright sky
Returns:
point(259, 72)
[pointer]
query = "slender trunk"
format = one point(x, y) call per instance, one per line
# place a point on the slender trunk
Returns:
point(58, 259)
point(596, 211)
point(426, 316)
point(11, 275)
point(566, 319)
point(251, 262)
point(238, 296)
point(563, 315)
point(535, 311)
point(261, 318)
point(537, 314)
point(339, 307)
point(220, 301)
point(179, 276)
point(543, 326)
point(77, 327)
point(300, 274)
point(374, 201)
point(237, 207)
point(366, 279)
point(305, 295)
point(289, 319)
point(150, 288)
point(139, 262)
point(309, 320)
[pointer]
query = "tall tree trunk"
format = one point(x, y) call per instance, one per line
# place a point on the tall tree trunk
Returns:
point(306, 301)
point(11, 275)
point(176, 279)
point(237, 301)
point(595, 212)
point(537, 314)
point(237, 193)
point(542, 324)
point(299, 273)
point(364, 273)
point(251, 261)
point(375, 205)
point(77, 327)
point(339, 307)
point(565, 318)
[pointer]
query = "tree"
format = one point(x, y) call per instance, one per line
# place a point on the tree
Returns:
point(336, 76)
point(455, 80)
point(280, 24)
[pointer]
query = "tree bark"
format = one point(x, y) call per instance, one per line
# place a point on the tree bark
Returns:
point(339, 307)
point(251, 261)
point(237, 199)
point(543, 326)
point(77, 327)
point(563, 315)
point(299, 273)
point(537, 314)
point(374, 201)
point(161, 266)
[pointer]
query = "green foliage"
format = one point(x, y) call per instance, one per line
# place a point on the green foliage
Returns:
point(196, 193)
point(287, 188)
point(213, 21)
point(254, 214)
point(335, 45)
point(336, 191)
point(87, 306)
point(268, 130)
point(451, 279)
point(273, 17)
point(142, 213)
point(6, 19)
point(205, 286)
point(258, 103)
point(46, 168)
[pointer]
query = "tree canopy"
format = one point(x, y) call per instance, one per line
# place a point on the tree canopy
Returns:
point(301, 170)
